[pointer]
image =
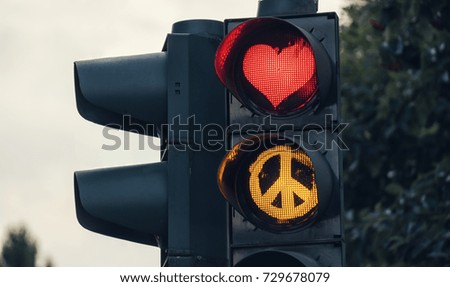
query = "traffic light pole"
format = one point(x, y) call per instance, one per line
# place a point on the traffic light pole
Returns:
point(287, 7)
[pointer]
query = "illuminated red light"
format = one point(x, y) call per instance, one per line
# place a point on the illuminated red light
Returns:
point(280, 74)
point(269, 65)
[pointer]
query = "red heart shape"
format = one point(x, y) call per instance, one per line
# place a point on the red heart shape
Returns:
point(278, 74)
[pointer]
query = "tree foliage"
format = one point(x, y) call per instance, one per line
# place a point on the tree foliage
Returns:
point(19, 249)
point(395, 69)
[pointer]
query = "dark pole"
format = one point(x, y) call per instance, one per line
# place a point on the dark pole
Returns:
point(287, 7)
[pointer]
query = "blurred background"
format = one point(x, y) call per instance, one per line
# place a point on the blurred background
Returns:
point(395, 65)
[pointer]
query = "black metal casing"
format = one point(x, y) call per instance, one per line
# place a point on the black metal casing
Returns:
point(321, 243)
point(174, 204)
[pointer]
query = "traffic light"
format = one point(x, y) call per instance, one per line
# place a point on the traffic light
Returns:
point(282, 174)
point(174, 204)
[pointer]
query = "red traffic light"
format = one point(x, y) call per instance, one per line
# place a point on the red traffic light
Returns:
point(274, 67)
point(282, 72)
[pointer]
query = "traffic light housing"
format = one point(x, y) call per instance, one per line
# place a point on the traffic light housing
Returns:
point(282, 175)
point(280, 119)
point(173, 204)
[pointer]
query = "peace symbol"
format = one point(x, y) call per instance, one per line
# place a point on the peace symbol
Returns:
point(282, 183)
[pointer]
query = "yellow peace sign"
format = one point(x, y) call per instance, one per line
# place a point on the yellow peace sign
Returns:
point(294, 192)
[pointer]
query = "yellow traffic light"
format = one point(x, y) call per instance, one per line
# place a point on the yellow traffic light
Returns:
point(282, 183)
point(275, 182)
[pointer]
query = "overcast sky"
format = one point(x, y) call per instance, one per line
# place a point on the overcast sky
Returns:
point(44, 140)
